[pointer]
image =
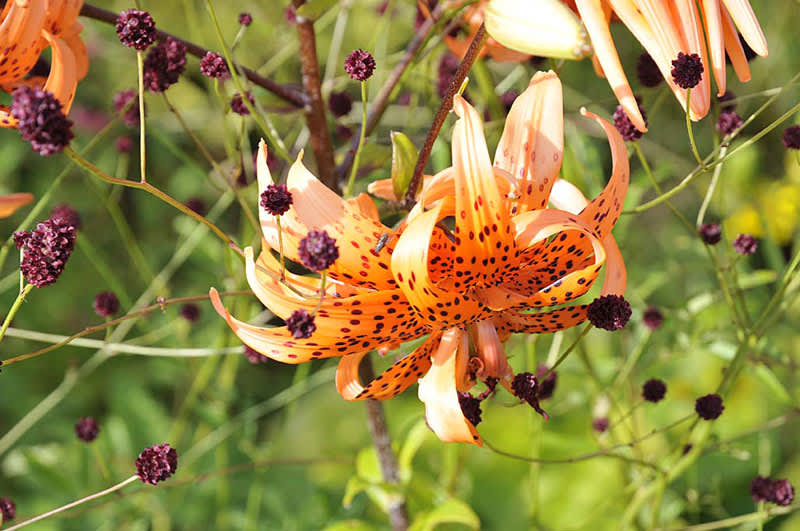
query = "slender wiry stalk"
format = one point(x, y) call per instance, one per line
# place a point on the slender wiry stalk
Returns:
point(74, 504)
point(692, 143)
point(376, 419)
point(286, 93)
point(447, 104)
point(315, 106)
point(14, 309)
point(142, 143)
point(348, 190)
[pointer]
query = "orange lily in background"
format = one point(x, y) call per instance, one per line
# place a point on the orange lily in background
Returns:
point(27, 27)
point(707, 28)
point(11, 202)
point(468, 289)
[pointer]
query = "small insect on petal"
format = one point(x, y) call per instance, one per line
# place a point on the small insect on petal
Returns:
point(546, 28)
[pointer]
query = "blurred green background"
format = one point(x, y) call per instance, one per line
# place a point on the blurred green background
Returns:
point(272, 446)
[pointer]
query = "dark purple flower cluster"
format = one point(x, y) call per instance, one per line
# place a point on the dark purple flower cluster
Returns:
point(725, 102)
point(245, 19)
point(709, 407)
point(45, 251)
point(525, 387)
point(600, 424)
point(609, 312)
point(196, 205)
point(647, 71)
point(745, 244)
point(710, 233)
point(318, 251)
point(687, 70)
point(654, 390)
point(546, 386)
point(190, 312)
point(124, 144)
point(68, 214)
point(164, 64)
point(238, 105)
point(276, 199)
point(156, 463)
point(791, 137)
point(777, 491)
point(126, 104)
point(301, 324)
point(7, 509)
point(87, 429)
point(653, 318)
point(213, 65)
point(340, 104)
point(41, 120)
point(136, 29)
point(106, 304)
point(728, 121)
point(470, 407)
point(359, 65)
point(624, 125)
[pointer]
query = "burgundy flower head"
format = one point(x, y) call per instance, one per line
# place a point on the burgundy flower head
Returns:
point(190, 312)
point(525, 388)
point(653, 318)
point(624, 125)
point(87, 429)
point(782, 492)
point(68, 214)
point(600, 424)
point(164, 64)
point(126, 104)
point(728, 122)
point(318, 251)
point(791, 137)
point(359, 65)
point(654, 390)
point(340, 104)
point(136, 29)
point(687, 70)
point(301, 324)
point(709, 407)
point(760, 489)
point(711, 233)
point(546, 386)
point(7, 509)
point(245, 19)
point(276, 199)
point(124, 144)
point(745, 244)
point(609, 312)
point(156, 463)
point(213, 65)
point(470, 407)
point(196, 205)
point(41, 119)
point(238, 105)
point(106, 304)
point(45, 251)
point(647, 71)
point(725, 100)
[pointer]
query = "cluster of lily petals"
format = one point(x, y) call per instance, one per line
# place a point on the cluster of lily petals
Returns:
point(707, 28)
point(507, 261)
point(27, 28)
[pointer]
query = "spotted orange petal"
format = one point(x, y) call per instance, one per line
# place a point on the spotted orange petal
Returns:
point(393, 381)
point(437, 390)
point(532, 143)
point(540, 323)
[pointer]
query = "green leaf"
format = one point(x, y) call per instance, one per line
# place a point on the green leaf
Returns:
point(404, 158)
point(349, 525)
point(314, 9)
point(452, 511)
point(770, 380)
point(416, 436)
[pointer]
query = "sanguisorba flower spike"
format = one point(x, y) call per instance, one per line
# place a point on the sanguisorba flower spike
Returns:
point(26, 29)
point(507, 254)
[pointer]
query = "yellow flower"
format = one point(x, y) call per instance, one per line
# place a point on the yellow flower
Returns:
point(27, 27)
point(507, 253)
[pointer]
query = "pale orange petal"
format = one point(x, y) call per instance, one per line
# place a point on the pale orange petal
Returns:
point(63, 78)
point(20, 38)
point(734, 48)
point(438, 391)
point(365, 206)
point(10, 203)
point(716, 42)
point(490, 351)
point(616, 276)
point(531, 147)
point(605, 52)
point(687, 20)
point(742, 13)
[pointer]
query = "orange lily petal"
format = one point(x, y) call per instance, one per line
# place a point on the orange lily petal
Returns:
point(687, 20)
point(10, 203)
point(73, 39)
point(490, 351)
point(393, 381)
point(438, 391)
point(63, 75)
point(734, 47)
point(742, 13)
point(20, 38)
point(542, 322)
point(316, 207)
point(365, 206)
point(716, 42)
point(602, 213)
point(593, 17)
point(532, 143)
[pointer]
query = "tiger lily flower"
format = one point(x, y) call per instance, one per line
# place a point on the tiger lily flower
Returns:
point(27, 27)
point(11, 202)
point(707, 28)
point(466, 289)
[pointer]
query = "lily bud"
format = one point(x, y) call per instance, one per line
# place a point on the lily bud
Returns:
point(546, 28)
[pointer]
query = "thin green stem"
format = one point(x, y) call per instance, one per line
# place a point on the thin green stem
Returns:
point(567, 352)
point(14, 309)
point(101, 462)
point(701, 214)
point(691, 133)
point(142, 148)
point(348, 191)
